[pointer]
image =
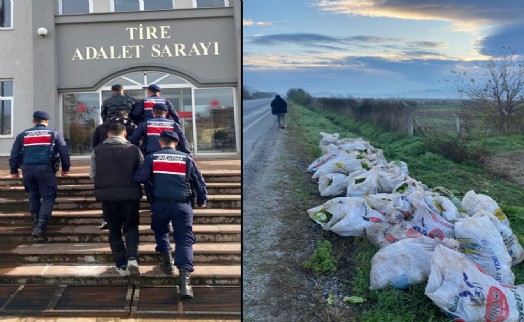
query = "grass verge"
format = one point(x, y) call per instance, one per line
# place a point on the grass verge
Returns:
point(426, 166)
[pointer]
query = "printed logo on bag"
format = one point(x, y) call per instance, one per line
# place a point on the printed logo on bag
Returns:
point(497, 308)
point(37, 137)
point(455, 305)
point(501, 216)
point(520, 305)
point(436, 233)
point(412, 233)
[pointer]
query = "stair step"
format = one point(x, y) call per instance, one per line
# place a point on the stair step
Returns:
point(93, 234)
point(208, 253)
point(94, 217)
point(83, 178)
point(18, 191)
point(82, 273)
point(84, 203)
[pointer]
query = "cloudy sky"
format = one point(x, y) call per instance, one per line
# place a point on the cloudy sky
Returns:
point(373, 48)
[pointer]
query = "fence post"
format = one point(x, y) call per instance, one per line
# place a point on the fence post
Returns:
point(411, 118)
point(457, 125)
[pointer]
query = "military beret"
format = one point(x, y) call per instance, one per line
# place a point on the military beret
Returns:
point(154, 88)
point(170, 134)
point(160, 106)
point(41, 115)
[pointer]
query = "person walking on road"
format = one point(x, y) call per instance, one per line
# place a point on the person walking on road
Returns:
point(113, 165)
point(279, 108)
point(168, 175)
point(38, 151)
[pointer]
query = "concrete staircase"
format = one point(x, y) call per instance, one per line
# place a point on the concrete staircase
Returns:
point(77, 259)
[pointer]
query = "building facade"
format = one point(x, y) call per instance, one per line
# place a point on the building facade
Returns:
point(63, 56)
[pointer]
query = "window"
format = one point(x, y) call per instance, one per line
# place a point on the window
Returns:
point(6, 108)
point(211, 3)
point(68, 7)
point(6, 14)
point(215, 120)
point(127, 5)
point(81, 117)
point(158, 4)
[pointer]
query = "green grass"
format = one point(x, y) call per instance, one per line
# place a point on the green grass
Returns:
point(322, 261)
point(431, 169)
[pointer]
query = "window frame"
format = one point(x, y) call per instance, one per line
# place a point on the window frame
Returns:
point(9, 98)
point(12, 17)
point(195, 4)
point(140, 6)
point(61, 11)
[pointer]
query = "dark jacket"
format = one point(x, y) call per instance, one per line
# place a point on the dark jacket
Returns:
point(278, 105)
point(113, 164)
point(39, 145)
point(143, 109)
point(100, 134)
point(150, 133)
point(151, 175)
point(117, 102)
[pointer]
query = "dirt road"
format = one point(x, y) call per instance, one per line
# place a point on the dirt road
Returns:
point(278, 236)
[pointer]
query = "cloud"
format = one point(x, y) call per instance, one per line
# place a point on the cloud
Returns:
point(341, 43)
point(249, 22)
point(463, 12)
point(511, 36)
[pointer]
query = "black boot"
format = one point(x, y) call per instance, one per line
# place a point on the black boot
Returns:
point(34, 218)
point(39, 233)
point(184, 285)
point(167, 263)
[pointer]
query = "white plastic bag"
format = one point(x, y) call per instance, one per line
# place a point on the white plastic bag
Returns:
point(384, 233)
point(510, 240)
point(429, 222)
point(345, 216)
point(342, 163)
point(332, 185)
point(392, 205)
point(401, 264)
point(362, 183)
point(473, 203)
point(464, 293)
point(327, 139)
point(480, 241)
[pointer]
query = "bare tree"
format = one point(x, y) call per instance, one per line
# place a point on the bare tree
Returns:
point(497, 91)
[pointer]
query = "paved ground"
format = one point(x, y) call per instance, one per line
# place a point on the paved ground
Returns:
point(204, 163)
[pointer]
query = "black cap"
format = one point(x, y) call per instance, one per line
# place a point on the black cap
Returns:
point(170, 134)
point(41, 115)
point(160, 106)
point(154, 88)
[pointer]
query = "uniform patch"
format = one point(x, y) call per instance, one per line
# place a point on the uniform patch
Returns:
point(37, 138)
point(155, 128)
point(150, 102)
point(169, 167)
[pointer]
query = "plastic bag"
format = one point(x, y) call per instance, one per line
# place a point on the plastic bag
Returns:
point(384, 234)
point(404, 263)
point(464, 293)
point(327, 139)
point(342, 163)
point(392, 205)
point(429, 222)
point(480, 241)
point(510, 240)
point(473, 203)
point(362, 183)
point(332, 185)
point(345, 216)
